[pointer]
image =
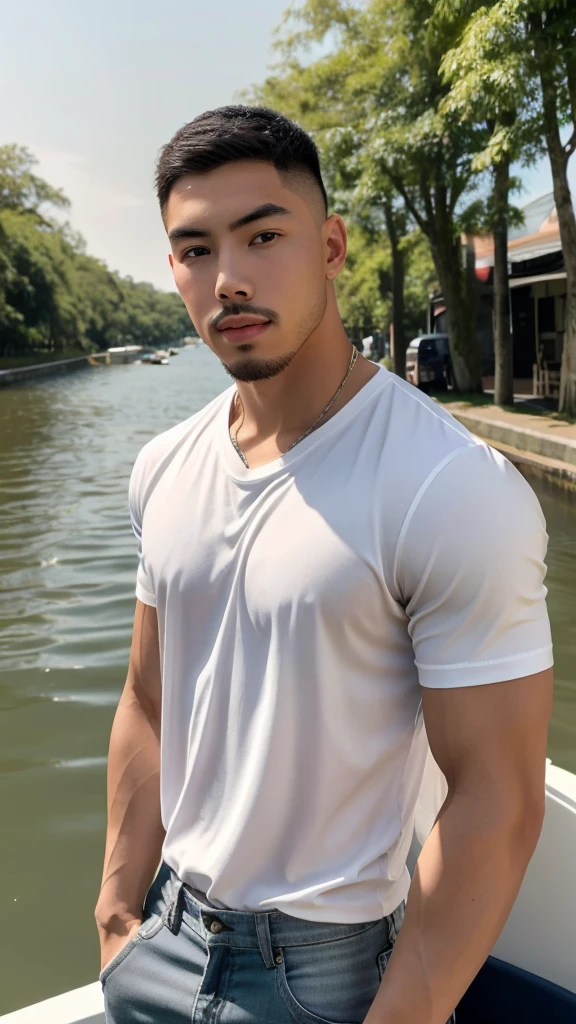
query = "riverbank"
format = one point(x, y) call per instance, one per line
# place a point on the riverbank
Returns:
point(542, 444)
point(18, 374)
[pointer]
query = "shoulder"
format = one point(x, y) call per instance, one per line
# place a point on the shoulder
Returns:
point(474, 488)
point(413, 441)
point(417, 416)
point(442, 486)
point(441, 462)
point(154, 457)
point(474, 536)
point(420, 437)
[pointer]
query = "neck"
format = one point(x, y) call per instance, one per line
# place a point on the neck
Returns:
point(287, 404)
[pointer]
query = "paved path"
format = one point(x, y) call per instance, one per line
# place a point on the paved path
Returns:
point(526, 431)
point(526, 420)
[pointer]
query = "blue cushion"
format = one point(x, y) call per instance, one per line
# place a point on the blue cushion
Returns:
point(502, 994)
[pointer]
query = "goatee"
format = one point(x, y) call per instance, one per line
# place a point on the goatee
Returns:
point(258, 369)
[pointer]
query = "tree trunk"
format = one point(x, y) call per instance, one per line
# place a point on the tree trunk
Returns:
point(437, 223)
point(398, 272)
point(567, 225)
point(503, 361)
point(464, 348)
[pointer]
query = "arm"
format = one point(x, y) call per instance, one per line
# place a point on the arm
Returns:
point(135, 834)
point(490, 742)
point(470, 568)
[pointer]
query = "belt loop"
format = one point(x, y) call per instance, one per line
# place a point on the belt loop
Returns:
point(264, 938)
point(395, 920)
point(175, 909)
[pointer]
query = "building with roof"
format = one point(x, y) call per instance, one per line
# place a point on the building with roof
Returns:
point(537, 281)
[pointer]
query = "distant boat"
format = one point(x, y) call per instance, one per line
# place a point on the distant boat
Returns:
point(159, 358)
point(124, 353)
point(173, 351)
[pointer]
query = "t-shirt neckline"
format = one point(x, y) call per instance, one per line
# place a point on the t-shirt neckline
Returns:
point(239, 471)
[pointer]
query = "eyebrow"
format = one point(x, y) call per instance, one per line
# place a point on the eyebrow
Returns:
point(266, 210)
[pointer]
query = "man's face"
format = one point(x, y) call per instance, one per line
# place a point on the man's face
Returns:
point(249, 254)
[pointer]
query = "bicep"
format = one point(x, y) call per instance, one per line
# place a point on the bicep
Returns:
point(474, 570)
point(491, 739)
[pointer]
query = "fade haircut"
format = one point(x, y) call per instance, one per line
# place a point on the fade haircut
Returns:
point(228, 134)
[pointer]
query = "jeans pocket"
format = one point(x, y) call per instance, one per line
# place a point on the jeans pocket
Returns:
point(147, 930)
point(296, 1009)
point(334, 981)
point(117, 960)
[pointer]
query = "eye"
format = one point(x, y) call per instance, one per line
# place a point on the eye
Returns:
point(265, 236)
point(195, 252)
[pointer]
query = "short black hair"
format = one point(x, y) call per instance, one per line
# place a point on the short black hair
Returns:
point(228, 134)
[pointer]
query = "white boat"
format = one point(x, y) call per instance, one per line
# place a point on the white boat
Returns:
point(124, 353)
point(159, 358)
point(530, 977)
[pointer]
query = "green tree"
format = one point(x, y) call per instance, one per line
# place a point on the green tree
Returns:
point(313, 98)
point(396, 227)
point(53, 296)
point(20, 189)
point(375, 99)
point(363, 287)
point(39, 292)
point(516, 61)
point(419, 282)
point(481, 93)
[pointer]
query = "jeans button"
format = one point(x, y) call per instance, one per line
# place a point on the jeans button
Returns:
point(216, 927)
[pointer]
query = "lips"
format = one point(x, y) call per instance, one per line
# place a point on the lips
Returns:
point(243, 328)
point(236, 323)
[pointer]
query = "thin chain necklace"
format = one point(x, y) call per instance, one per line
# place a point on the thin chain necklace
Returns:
point(327, 408)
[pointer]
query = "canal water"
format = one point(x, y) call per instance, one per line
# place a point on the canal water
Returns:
point(67, 570)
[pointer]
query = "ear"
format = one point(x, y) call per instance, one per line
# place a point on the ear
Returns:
point(336, 241)
point(171, 261)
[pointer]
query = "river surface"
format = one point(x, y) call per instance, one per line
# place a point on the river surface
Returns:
point(67, 572)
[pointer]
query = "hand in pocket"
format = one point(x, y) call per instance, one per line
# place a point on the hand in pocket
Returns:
point(112, 943)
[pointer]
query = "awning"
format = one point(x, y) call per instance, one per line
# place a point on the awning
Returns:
point(528, 252)
point(516, 282)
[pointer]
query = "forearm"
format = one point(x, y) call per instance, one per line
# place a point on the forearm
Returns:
point(465, 883)
point(134, 834)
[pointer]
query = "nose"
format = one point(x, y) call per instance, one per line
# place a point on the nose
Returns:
point(232, 285)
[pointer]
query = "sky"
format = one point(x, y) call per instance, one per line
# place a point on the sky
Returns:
point(94, 90)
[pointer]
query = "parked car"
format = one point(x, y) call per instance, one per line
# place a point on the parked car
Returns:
point(428, 364)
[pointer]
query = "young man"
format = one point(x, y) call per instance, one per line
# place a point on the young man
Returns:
point(329, 562)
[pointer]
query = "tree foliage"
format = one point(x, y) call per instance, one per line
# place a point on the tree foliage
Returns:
point(53, 296)
point(421, 107)
point(514, 63)
point(374, 103)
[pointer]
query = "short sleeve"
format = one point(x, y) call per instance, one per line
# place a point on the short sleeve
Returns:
point(144, 587)
point(470, 566)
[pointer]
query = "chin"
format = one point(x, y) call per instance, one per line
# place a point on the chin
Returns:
point(253, 368)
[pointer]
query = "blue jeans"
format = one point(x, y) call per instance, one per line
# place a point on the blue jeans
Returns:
point(191, 964)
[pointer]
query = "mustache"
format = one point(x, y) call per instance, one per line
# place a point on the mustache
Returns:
point(237, 308)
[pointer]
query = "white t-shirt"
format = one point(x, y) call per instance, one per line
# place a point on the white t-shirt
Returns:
point(301, 606)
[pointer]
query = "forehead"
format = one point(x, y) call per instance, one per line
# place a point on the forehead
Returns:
point(228, 192)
